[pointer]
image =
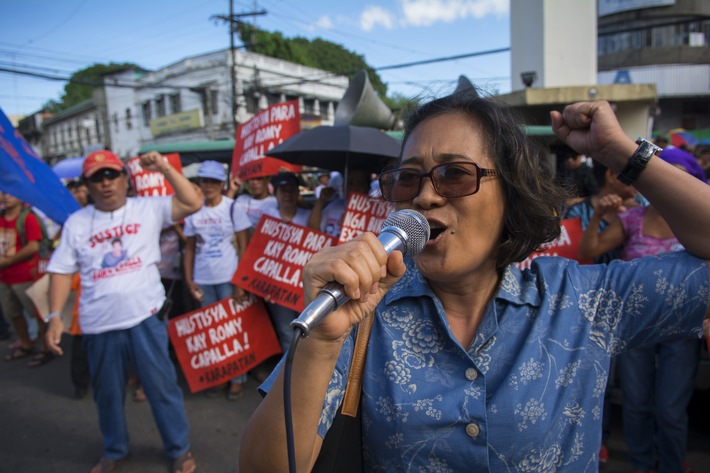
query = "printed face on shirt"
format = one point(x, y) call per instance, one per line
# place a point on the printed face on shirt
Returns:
point(109, 193)
point(465, 230)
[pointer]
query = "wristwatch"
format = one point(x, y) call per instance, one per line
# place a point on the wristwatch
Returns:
point(638, 161)
point(51, 315)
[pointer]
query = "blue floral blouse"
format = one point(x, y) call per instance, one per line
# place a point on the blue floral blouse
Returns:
point(527, 395)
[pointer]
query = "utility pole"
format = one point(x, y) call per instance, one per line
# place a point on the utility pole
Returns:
point(234, 20)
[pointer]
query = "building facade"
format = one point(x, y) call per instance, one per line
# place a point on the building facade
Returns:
point(188, 101)
point(662, 42)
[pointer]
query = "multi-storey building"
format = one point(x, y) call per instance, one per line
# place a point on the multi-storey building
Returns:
point(662, 42)
point(188, 101)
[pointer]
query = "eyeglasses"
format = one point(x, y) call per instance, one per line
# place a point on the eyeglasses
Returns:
point(106, 173)
point(457, 179)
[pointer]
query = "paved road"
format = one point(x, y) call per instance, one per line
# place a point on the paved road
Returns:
point(45, 429)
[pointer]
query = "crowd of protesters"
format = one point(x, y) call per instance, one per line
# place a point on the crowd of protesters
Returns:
point(200, 249)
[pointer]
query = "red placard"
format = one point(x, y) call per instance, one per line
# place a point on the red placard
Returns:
point(363, 214)
point(273, 261)
point(566, 245)
point(223, 340)
point(268, 128)
point(148, 183)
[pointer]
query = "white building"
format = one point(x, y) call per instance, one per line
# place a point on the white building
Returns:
point(188, 101)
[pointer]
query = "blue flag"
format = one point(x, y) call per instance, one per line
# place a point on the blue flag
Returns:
point(25, 176)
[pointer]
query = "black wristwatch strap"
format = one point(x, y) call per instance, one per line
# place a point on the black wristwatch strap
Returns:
point(637, 162)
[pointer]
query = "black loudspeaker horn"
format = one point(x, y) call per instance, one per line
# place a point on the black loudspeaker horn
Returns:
point(360, 106)
point(465, 87)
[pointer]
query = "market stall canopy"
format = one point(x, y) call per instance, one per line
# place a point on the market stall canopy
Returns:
point(339, 147)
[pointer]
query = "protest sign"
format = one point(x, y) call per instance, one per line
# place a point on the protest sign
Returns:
point(268, 128)
point(151, 183)
point(272, 263)
point(363, 214)
point(566, 245)
point(222, 340)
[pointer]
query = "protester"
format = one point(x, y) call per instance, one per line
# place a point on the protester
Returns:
point(474, 364)
point(578, 177)
point(121, 308)
point(329, 209)
point(323, 179)
point(286, 187)
point(655, 423)
point(211, 257)
point(258, 200)
point(18, 271)
point(79, 364)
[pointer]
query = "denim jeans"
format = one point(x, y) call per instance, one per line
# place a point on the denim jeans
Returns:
point(212, 293)
point(657, 384)
point(145, 346)
point(281, 318)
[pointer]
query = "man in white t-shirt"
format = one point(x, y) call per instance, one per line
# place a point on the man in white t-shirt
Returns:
point(210, 255)
point(121, 304)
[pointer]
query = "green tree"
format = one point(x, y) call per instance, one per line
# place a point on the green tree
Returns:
point(317, 53)
point(82, 82)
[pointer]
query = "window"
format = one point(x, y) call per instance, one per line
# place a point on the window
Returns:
point(145, 107)
point(309, 107)
point(175, 105)
point(129, 124)
point(252, 101)
point(214, 95)
point(324, 109)
point(160, 106)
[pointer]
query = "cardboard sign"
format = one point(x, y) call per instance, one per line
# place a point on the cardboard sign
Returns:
point(264, 131)
point(147, 183)
point(223, 340)
point(363, 214)
point(273, 261)
point(566, 245)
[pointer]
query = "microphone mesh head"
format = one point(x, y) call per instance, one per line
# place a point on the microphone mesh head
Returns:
point(414, 225)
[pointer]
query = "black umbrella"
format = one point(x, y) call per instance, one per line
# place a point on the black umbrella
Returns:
point(338, 148)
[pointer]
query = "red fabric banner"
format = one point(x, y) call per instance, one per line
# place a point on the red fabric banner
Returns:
point(363, 214)
point(566, 245)
point(268, 128)
point(273, 261)
point(147, 183)
point(223, 340)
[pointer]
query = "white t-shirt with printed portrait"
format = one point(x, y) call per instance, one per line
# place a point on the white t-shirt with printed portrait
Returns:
point(216, 259)
point(117, 255)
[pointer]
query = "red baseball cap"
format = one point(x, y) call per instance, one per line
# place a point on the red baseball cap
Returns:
point(101, 160)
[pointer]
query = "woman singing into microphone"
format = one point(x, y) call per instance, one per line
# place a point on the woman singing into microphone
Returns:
point(473, 364)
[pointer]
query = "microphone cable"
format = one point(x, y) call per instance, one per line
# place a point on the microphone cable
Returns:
point(288, 414)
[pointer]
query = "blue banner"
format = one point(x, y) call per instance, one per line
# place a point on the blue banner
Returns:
point(24, 175)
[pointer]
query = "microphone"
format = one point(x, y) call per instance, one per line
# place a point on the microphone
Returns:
point(405, 230)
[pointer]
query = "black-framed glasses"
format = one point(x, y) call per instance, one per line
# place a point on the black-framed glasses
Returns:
point(456, 179)
point(106, 173)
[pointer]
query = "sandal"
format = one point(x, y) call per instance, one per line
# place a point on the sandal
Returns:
point(185, 463)
point(40, 359)
point(139, 394)
point(19, 352)
point(105, 465)
point(235, 391)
